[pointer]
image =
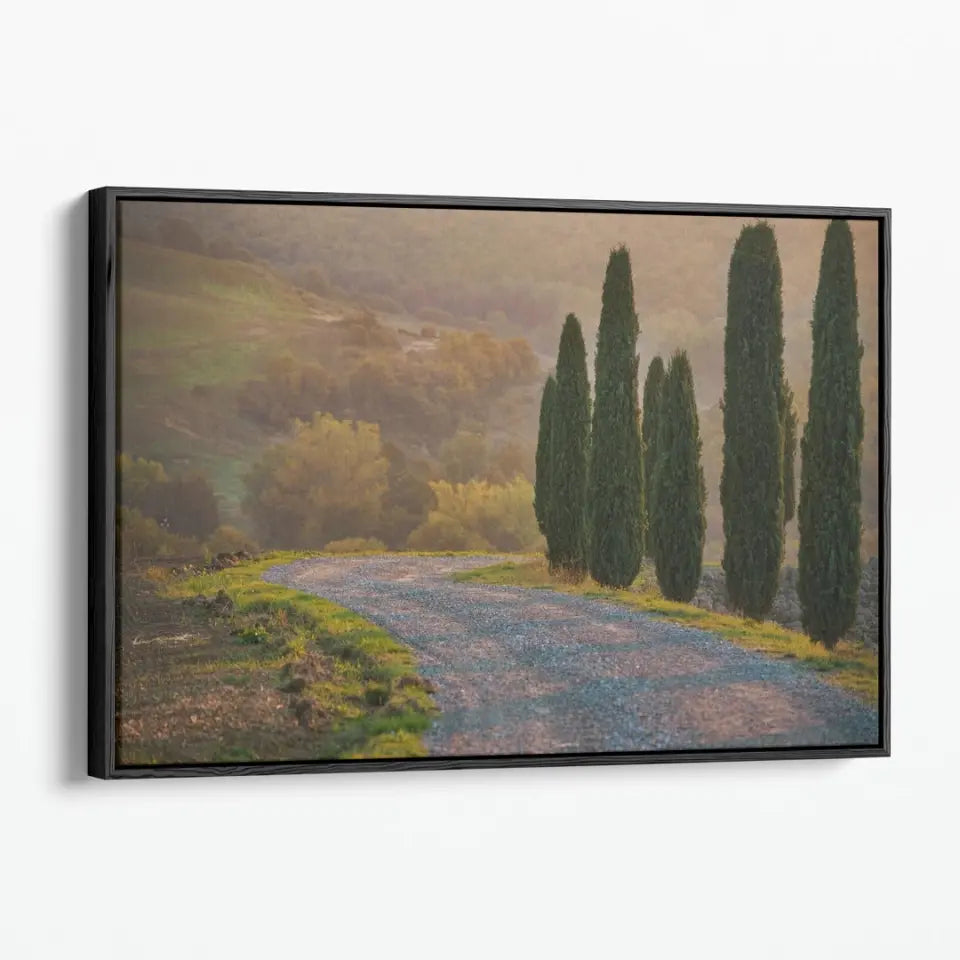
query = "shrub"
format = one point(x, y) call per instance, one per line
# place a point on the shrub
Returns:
point(479, 516)
point(142, 538)
point(356, 545)
point(505, 515)
point(189, 506)
point(442, 532)
point(182, 505)
point(227, 539)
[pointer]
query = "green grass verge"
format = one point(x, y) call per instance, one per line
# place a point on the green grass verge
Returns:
point(353, 690)
point(848, 665)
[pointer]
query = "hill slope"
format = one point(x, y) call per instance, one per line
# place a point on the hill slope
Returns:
point(206, 324)
point(218, 357)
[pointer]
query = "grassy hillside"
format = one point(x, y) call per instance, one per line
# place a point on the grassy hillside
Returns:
point(219, 356)
point(520, 273)
point(198, 327)
point(192, 329)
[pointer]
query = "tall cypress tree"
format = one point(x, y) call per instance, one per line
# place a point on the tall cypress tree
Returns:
point(788, 421)
point(751, 485)
point(829, 513)
point(678, 517)
point(541, 490)
point(644, 519)
point(569, 443)
point(652, 394)
point(615, 488)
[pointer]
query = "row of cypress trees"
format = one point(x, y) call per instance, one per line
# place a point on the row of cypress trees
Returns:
point(757, 487)
point(589, 496)
point(592, 490)
point(611, 487)
point(592, 518)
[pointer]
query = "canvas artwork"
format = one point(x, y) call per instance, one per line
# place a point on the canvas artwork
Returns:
point(395, 481)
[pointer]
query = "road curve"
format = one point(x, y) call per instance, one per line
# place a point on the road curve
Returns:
point(535, 671)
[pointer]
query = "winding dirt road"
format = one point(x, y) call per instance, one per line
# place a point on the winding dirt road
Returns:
point(535, 671)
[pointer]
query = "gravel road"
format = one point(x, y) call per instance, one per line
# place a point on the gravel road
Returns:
point(534, 671)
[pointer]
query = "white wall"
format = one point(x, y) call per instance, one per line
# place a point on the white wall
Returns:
point(821, 103)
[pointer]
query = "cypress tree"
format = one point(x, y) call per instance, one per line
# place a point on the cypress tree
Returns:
point(652, 393)
point(615, 487)
point(789, 423)
point(678, 518)
point(644, 519)
point(829, 510)
point(544, 473)
point(751, 484)
point(569, 444)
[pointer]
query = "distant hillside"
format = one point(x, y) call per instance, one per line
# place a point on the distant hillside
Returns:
point(520, 273)
point(511, 274)
point(191, 329)
point(220, 356)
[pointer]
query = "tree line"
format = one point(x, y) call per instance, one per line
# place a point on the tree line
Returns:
point(339, 480)
point(164, 516)
point(360, 371)
point(616, 482)
point(611, 484)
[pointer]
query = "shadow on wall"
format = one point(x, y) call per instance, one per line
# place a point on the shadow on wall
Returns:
point(70, 566)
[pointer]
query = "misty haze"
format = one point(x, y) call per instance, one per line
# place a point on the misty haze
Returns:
point(408, 482)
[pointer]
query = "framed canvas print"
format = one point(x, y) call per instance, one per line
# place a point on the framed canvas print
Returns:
point(383, 482)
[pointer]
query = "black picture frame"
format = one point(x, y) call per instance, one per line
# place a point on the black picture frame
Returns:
point(103, 406)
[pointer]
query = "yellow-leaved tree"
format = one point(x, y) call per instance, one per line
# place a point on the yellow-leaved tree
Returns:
point(480, 516)
point(324, 483)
